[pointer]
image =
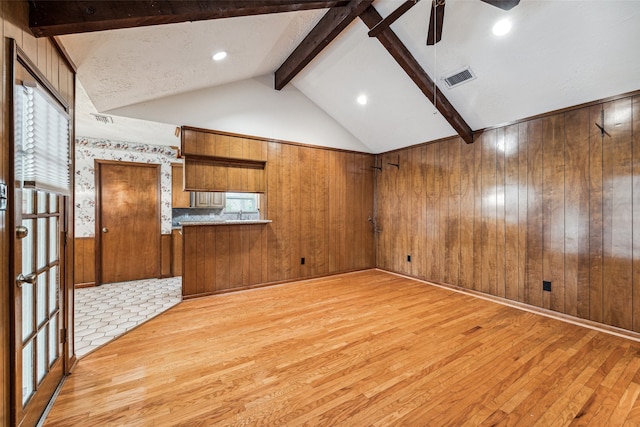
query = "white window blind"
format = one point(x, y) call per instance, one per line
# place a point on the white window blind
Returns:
point(42, 141)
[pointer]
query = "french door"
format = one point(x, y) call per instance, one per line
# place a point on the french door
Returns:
point(38, 304)
point(41, 197)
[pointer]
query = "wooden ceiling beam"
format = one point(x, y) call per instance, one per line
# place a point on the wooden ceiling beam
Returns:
point(403, 57)
point(53, 17)
point(393, 17)
point(327, 29)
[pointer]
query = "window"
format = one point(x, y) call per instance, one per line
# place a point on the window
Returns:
point(245, 202)
point(42, 136)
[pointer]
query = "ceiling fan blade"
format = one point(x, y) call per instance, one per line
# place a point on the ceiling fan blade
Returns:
point(435, 22)
point(503, 4)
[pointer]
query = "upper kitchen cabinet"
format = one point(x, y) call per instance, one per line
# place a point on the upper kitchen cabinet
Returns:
point(222, 162)
point(207, 200)
point(179, 197)
point(190, 199)
point(221, 145)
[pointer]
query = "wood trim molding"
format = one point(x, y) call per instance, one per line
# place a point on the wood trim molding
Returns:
point(414, 70)
point(63, 53)
point(331, 24)
point(515, 122)
point(278, 141)
point(52, 18)
point(26, 62)
point(561, 110)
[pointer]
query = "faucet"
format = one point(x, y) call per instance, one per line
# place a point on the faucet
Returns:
point(240, 214)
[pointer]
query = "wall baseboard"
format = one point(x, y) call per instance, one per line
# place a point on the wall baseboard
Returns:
point(84, 285)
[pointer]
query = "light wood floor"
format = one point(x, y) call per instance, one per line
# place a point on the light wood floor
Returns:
point(360, 349)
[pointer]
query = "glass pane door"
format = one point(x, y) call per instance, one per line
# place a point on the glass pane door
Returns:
point(38, 245)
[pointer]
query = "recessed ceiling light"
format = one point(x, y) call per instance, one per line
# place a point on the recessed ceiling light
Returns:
point(362, 100)
point(218, 56)
point(502, 27)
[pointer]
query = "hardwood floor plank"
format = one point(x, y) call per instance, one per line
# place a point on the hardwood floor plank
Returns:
point(365, 348)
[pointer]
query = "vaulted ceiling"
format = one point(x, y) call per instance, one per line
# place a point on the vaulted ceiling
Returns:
point(559, 53)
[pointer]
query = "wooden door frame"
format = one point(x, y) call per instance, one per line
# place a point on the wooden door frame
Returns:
point(98, 212)
point(68, 359)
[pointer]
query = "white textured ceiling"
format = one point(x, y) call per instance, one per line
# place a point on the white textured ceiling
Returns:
point(559, 53)
point(119, 128)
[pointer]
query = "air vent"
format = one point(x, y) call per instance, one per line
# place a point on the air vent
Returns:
point(103, 119)
point(460, 77)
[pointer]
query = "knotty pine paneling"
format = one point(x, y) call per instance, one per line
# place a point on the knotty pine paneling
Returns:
point(544, 199)
point(14, 19)
point(319, 202)
point(85, 259)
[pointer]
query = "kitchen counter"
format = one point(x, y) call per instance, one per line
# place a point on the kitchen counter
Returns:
point(226, 222)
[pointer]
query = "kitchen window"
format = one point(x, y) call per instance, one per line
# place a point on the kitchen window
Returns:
point(245, 202)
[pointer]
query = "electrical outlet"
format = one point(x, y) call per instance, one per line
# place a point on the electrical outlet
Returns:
point(546, 285)
point(301, 261)
point(408, 258)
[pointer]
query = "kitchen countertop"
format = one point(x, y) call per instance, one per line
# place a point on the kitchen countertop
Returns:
point(226, 222)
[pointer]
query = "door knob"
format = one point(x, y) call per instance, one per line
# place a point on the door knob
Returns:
point(105, 230)
point(22, 232)
point(29, 278)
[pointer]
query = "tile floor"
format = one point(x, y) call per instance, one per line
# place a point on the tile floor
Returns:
point(105, 312)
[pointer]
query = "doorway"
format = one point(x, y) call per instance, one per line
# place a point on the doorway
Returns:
point(40, 204)
point(127, 221)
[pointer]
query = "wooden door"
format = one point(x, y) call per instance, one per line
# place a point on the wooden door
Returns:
point(127, 221)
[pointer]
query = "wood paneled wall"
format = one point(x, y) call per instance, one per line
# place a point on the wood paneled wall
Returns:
point(319, 201)
point(545, 199)
point(84, 271)
point(165, 255)
point(85, 259)
point(14, 25)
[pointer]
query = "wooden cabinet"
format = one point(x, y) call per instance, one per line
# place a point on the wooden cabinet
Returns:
point(179, 197)
point(218, 161)
point(222, 145)
point(207, 200)
point(201, 175)
point(191, 199)
point(176, 252)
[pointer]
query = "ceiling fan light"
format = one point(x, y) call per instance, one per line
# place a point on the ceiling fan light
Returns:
point(502, 27)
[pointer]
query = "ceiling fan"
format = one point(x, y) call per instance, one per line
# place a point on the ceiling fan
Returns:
point(437, 16)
